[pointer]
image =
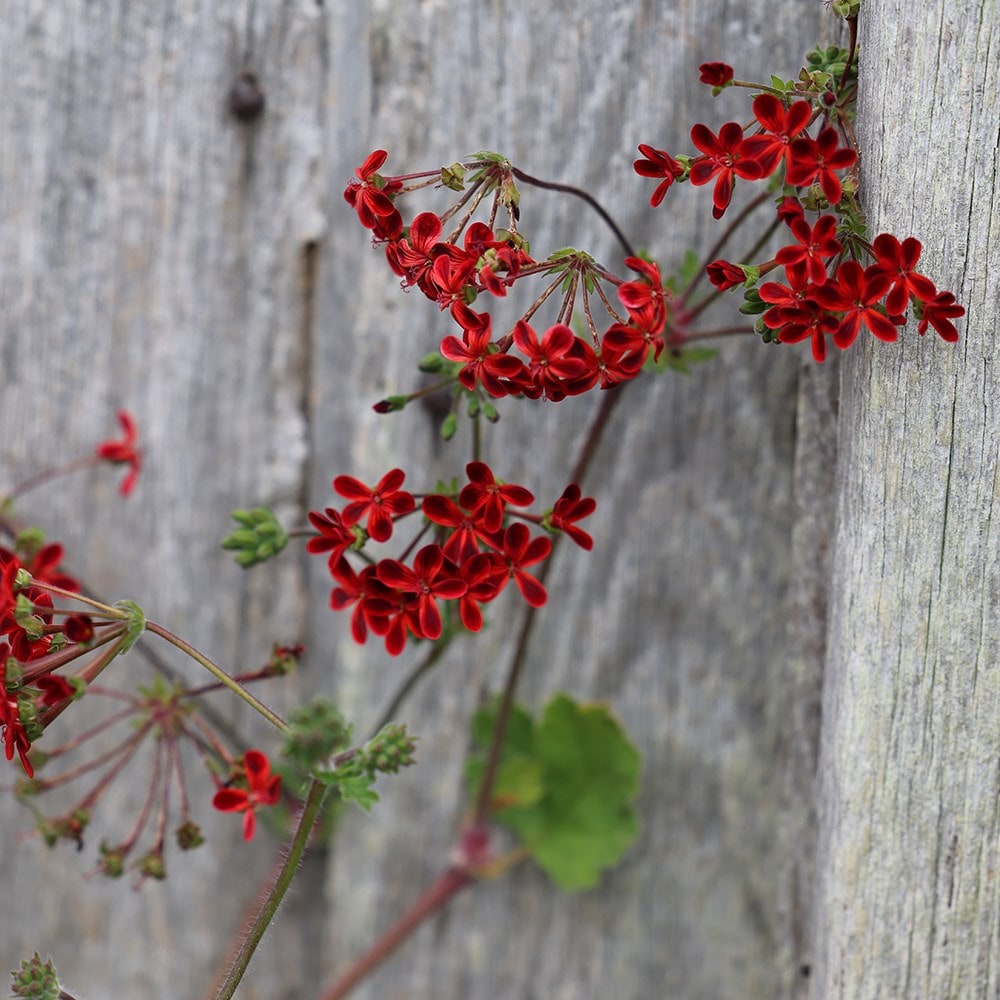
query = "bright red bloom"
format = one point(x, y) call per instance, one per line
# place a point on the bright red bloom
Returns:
point(820, 157)
point(334, 536)
point(570, 507)
point(370, 597)
point(657, 163)
point(724, 157)
point(787, 301)
point(263, 789)
point(380, 503)
point(897, 261)
point(520, 550)
point(486, 496)
point(499, 374)
point(724, 275)
point(811, 321)
point(855, 293)
point(645, 299)
point(367, 194)
point(484, 575)
point(15, 738)
point(816, 245)
point(550, 359)
point(429, 579)
point(781, 126)
point(463, 543)
point(124, 452)
point(453, 277)
point(44, 566)
point(715, 74)
point(54, 688)
point(939, 313)
point(413, 256)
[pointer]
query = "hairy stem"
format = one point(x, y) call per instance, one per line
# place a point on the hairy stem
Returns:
point(269, 906)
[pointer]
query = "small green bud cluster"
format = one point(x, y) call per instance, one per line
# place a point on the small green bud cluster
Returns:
point(259, 537)
point(36, 980)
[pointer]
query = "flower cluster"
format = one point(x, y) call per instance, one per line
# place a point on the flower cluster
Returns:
point(828, 292)
point(455, 269)
point(477, 552)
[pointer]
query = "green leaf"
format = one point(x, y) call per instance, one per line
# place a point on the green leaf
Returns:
point(565, 786)
point(359, 789)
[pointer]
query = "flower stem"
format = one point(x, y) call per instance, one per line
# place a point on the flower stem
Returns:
point(46, 475)
point(451, 881)
point(721, 242)
point(588, 198)
point(269, 907)
point(218, 673)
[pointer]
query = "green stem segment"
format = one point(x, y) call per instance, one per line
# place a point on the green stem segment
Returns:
point(269, 907)
point(220, 674)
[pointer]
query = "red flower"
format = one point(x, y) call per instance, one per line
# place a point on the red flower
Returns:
point(855, 293)
point(938, 313)
point(54, 688)
point(812, 158)
point(570, 507)
point(429, 579)
point(463, 543)
point(550, 361)
point(817, 244)
point(263, 789)
point(715, 74)
point(780, 126)
point(370, 597)
point(724, 275)
point(484, 576)
point(486, 496)
point(645, 299)
point(15, 739)
point(897, 261)
point(657, 163)
point(367, 194)
point(124, 452)
point(812, 322)
point(413, 257)
point(520, 550)
point(499, 374)
point(334, 536)
point(380, 503)
point(724, 157)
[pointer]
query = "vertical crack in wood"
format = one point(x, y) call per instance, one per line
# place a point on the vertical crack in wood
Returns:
point(814, 474)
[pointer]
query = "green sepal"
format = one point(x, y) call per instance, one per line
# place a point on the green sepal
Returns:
point(134, 626)
point(448, 427)
point(431, 363)
point(453, 177)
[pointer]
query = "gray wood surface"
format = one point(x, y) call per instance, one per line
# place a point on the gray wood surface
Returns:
point(908, 899)
point(158, 255)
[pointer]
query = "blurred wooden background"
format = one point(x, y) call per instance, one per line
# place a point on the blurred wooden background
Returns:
point(158, 255)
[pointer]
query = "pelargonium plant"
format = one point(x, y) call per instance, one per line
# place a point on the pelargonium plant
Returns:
point(416, 562)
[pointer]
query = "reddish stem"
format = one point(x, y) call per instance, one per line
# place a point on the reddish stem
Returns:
point(447, 885)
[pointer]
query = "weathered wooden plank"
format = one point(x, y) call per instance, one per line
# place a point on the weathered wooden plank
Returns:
point(909, 821)
point(156, 254)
